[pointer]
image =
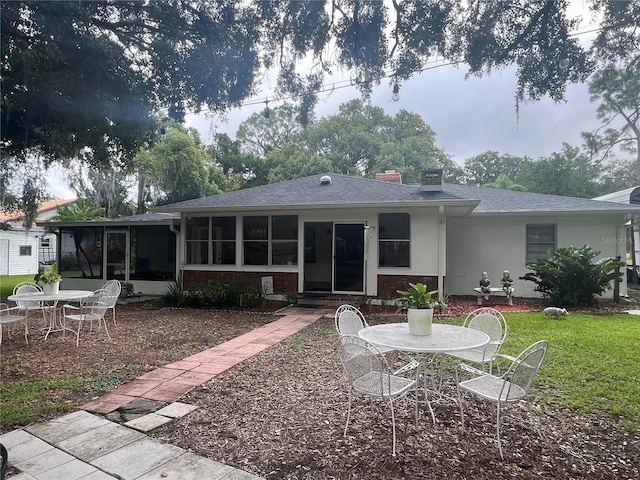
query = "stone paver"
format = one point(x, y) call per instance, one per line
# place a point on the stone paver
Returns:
point(176, 410)
point(148, 422)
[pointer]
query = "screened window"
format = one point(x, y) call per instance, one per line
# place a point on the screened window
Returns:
point(81, 252)
point(284, 240)
point(394, 239)
point(223, 234)
point(211, 240)
point(198, 240)
point(274, 238)
point(256, 240)
point(25, 250)
point(540, 239)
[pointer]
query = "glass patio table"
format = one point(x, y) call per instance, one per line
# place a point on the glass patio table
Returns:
point(52, 300)
point(443, 338)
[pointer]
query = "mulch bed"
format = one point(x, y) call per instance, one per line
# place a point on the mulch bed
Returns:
point(280, 414)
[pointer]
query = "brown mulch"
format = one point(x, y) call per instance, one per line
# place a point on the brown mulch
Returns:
point(281, 413)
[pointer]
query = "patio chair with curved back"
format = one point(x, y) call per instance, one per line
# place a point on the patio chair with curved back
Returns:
point(491, 322)
point(349, 321)
point(368, 373)
point(511, 387)
point(114, 287)
point(91, 309)
point(31, 306)
point(12, 315)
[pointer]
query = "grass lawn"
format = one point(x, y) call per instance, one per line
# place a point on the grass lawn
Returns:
point(591, 365)
point(8, 282)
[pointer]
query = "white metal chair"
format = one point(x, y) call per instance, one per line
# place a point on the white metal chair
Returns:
point(511, 387)
point(491, 322)
point(91, 309)
point(349, 321)
point(114, 287)
point(368, 373)
point(12, 315)
point(30, 306)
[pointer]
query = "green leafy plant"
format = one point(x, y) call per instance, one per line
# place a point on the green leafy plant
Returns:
point(416, 296)
point(571, 277)
point(49, 275)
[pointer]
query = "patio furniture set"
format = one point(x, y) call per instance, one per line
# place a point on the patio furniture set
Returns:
point(62, 309)
point(476, 345)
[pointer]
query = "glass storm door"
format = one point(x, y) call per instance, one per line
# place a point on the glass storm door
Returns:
point(348, 258)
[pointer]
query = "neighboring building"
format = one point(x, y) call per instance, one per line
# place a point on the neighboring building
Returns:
point(632, 237)
point(337, 234)
point(22, 251)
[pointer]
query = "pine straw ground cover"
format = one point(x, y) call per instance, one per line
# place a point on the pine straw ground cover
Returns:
point(281, 413)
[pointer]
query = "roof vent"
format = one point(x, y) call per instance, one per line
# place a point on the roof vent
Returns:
point(325, 180)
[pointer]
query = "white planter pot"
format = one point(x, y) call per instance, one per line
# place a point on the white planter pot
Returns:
point(50, 288)
point(420, 320)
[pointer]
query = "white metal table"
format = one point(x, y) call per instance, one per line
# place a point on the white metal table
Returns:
point(52, 300)
point(443, 338)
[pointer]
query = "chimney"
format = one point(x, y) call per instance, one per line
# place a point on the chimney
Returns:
point(431, 180)
point(389, 176)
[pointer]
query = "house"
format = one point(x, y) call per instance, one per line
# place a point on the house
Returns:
point(23, 250)
point(342, 235)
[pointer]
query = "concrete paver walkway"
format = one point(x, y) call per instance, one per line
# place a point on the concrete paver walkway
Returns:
point(85, 446)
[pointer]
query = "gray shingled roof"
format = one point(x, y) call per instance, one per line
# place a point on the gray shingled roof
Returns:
point(308, 192)
point(151, 218)
point(494, 200)
point(345, 191)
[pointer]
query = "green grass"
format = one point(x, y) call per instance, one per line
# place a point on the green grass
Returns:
point(592, 365)
point(7, 282)
point(25, 402)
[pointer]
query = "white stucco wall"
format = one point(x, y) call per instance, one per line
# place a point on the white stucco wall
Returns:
point(494, 244)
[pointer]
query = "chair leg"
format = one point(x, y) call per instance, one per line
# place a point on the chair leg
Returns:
point(105, 327)
point(498, 430)
point(393, 427)
point(113, 311)
point(348, 414)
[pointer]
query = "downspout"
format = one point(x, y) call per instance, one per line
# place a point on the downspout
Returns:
point(173, 229)
point(442, 250)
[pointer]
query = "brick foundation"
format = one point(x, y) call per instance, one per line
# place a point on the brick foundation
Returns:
point(392, 283)
point(283, 283)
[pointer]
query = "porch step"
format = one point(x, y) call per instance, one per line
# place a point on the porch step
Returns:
point(327, 299)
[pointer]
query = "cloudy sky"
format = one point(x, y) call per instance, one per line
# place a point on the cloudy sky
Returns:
point(468, 116)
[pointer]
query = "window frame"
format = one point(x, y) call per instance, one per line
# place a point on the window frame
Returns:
point(22, 249)
point(292, 239)
point(212, 242)
point(532, 256)
point(384, 240)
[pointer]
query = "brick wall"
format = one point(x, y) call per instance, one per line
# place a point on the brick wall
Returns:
point(392, 283)
point(283, 283)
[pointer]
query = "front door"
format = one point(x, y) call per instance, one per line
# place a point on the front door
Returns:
point(117, 255)
point(348, 269)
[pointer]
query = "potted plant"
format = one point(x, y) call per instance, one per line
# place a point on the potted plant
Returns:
point(419, 304)
point(49, 279)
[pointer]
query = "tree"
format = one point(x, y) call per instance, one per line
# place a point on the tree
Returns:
point(90, 79)
point(505, 183)
point(485, 168)
point(618, 91)
point(570, 173)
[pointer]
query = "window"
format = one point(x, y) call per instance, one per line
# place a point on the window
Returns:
point(45, 242)
point(198, 240)
point(25, 250)
point(211, 240)
point(276, 240)
point(394, 239)
point(256, 240)
point(81, 252)
point(284, 240)
point(540, 239)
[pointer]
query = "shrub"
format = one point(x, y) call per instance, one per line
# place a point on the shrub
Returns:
point(570, 277)
point(236, 293)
